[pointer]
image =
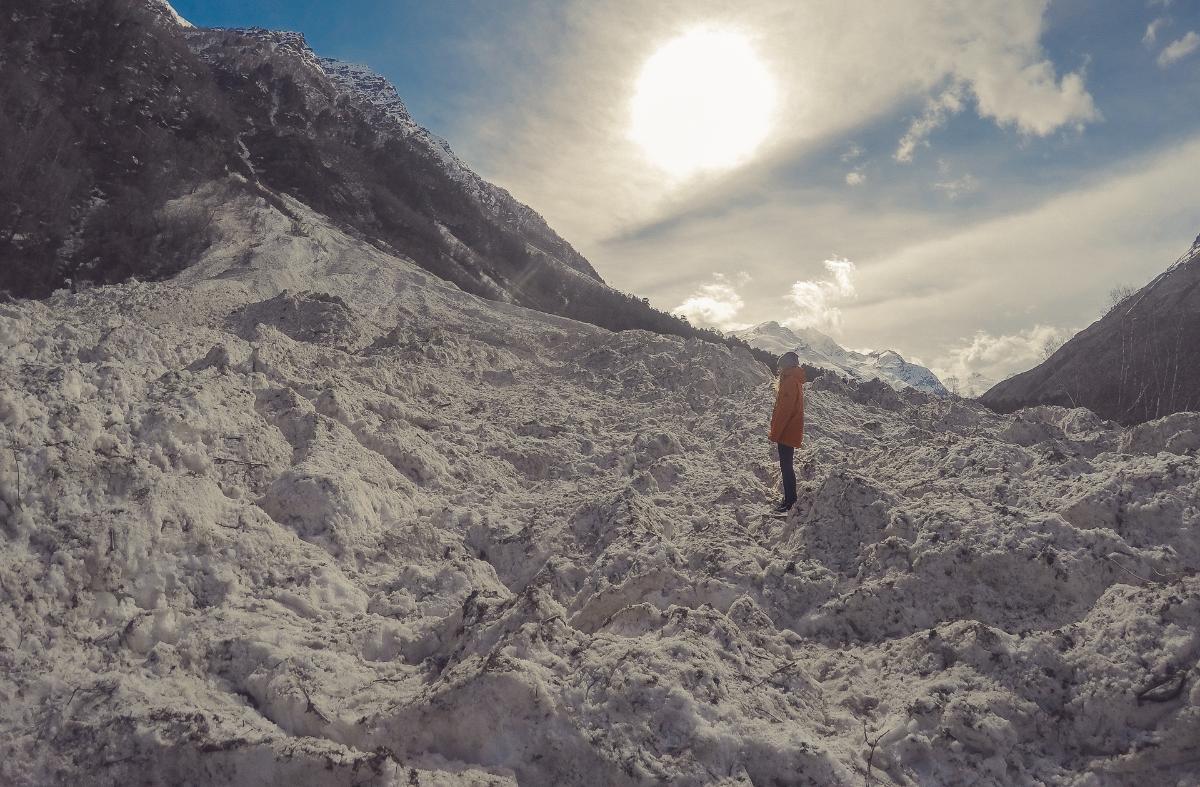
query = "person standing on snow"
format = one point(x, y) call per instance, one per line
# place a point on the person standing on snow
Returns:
point(787, 423)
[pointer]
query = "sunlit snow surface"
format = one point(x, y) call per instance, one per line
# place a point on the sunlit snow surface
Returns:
point(372, 530)
point(171, 13)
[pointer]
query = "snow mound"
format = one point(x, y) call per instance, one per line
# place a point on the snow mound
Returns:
point(317, 517)
point(305, 317)
point(1175, 434)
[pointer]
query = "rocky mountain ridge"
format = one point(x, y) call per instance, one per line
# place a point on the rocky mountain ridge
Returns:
point(818, 350)
point(106, 135)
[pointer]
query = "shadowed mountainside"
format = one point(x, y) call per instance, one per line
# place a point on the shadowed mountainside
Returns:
point(1135, 364)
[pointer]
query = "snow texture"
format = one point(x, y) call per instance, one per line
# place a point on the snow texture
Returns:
point(308, 515)
point(816, 349)
point(169, 11)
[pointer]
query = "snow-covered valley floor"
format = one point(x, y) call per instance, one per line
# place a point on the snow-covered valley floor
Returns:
point(372, 530)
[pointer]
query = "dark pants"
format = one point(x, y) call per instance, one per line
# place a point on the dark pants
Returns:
point(787, 456)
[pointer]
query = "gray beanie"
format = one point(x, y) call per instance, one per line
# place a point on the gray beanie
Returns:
point(788, 360)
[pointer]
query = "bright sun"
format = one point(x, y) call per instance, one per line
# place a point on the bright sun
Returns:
point(704, 101)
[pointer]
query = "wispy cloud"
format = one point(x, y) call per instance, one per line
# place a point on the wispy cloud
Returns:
point(1179, 49)
point(1151, 36)
point(855, 178)
point(1051, 264)
point(716, 304)
point(937, 111)
point(958, 187)
point(818, 303)
point(1058, 229)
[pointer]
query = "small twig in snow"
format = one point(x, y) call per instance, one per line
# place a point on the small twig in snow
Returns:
point(871, 753)
point(312, 708)
point(1127, 571)
point(17, 463)
point(238, 461)
point(388, 680)
point(1164, 689)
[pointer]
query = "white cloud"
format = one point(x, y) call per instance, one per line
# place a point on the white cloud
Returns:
point(928, 278)
point(554, 131)
point(996, 357)
point(1052, 264)
point(715, 304)
point(937, 112)
point(818, 301)
point(954, 188)
point(1179, 49)
point(851, 153)
point(1151, 36)
point(1030, 98)
point(855, 178)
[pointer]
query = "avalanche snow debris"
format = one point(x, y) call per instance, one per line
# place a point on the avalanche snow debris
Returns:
point(321, 518)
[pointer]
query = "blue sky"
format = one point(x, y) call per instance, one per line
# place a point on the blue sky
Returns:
point(1055, 169)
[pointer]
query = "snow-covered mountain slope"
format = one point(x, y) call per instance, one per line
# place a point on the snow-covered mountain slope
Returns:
point(1136, 363)
point(298, 100)
point(185, 107)
point(307, 514)
point(817, 349)
point(372, 89)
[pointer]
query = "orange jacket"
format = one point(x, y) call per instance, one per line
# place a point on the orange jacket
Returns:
point(787, 422)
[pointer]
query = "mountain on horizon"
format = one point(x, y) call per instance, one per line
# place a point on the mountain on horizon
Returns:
point(821, 351)
point(1137, 363)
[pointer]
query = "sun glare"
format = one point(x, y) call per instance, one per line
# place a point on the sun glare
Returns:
point(704, 101)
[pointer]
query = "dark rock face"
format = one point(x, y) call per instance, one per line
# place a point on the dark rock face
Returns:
point(1141, 361)
point(105, 116)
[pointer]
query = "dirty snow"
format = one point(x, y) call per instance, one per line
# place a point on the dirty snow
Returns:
point(308, 515)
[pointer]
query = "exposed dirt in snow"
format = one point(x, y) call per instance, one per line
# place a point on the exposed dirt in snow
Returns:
point(308, 515)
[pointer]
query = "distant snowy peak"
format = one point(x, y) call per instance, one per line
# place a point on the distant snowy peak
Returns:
point(889, 365)
point(817, 349)
point(167, 10)
point(769, 336)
